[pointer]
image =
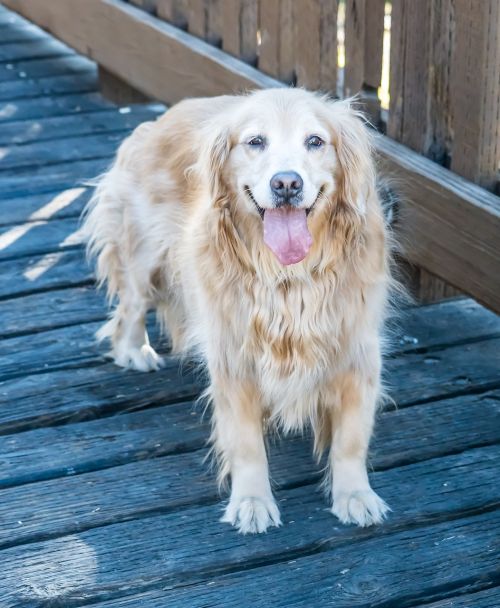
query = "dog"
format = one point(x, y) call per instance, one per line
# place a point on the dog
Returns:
point(253, 226)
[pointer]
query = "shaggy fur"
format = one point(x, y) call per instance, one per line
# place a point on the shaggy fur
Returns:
point(175, 226)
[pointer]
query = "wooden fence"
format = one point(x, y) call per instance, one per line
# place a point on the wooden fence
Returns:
point(441, 57)
point(444, 62)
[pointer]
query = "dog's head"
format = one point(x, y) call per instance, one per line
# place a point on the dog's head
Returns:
point(285, 156)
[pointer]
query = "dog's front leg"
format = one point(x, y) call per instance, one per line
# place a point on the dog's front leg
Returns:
point(354, 501)
point(239, 442)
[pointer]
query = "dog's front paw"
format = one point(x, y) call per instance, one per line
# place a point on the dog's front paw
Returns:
point(361, 507)
point(143, 359)
point(252, 514)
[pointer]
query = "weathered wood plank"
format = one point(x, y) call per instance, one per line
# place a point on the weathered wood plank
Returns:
point(35, 274)
point(197, 18)
point(51, 310)
point(403, 437)
point(287, 50)
point(64, 150)
point(269, 25)
point(13, 90)
point(475, 91)
point(328, 46)
point(84, 123)
point(22, 31)
point(418, 493)
point(76, 448)
point(56, 349)
point(482, 599)
point(368, 572)
point(411, 76)
point(364, 35)
point(40, 107)
point(141, 48)
point(307, 19)
point(447, 371)
point(40, 237)
point(47, 206)
point(37, 180)
point(453, 322)
point(32, 49)
point(43, 68)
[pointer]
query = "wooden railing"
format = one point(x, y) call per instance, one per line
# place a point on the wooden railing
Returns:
point(444, 63)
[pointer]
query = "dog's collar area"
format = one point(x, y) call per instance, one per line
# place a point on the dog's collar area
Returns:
point(261, 210)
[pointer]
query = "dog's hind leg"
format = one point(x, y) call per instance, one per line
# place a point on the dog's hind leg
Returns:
point(124, 264)
point(129, 338)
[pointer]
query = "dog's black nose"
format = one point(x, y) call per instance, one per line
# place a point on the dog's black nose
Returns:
point(286, 186)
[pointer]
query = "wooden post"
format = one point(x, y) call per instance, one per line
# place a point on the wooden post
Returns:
point(475, 99)
point(364, 38)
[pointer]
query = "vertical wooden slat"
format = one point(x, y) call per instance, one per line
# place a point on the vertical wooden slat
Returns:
point(438, 140)
point(173, 11)
point(307, 20)
point(410, 84)
point(231, 39)
point(475, 96)
point(215, 30)
point(269, 20)
point(374, 41)
point(249, 20)
point(287, 46)
point(422, 50)
point(147, 5)
point(364, 37)
point(328, 46)
point(197, 18)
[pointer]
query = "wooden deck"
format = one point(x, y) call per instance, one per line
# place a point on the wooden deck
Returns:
point(104, 496)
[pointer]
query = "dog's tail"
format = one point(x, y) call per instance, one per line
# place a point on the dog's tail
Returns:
point(102, 226)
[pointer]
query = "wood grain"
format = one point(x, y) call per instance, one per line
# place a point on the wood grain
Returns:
point(475, 98)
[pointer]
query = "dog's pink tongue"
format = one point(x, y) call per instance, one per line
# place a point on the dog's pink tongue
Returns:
point(286, 234)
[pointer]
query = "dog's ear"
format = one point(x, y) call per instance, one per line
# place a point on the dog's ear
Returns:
point(215, 145)
point(353, 143)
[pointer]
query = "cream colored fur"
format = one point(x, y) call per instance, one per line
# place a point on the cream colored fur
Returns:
point(173, 228)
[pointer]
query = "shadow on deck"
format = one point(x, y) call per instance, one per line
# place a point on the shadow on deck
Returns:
point(105, 499)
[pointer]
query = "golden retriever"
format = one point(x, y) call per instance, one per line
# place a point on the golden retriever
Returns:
point(253, 226)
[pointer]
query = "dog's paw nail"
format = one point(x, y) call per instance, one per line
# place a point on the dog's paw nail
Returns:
point(252, 514)
point(361, 507)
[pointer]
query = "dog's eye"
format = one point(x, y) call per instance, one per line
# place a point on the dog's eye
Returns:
point(257, 142)
point(314, 141)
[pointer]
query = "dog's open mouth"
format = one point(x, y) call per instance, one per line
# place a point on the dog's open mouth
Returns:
point(261, 210)
point(285, 230)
